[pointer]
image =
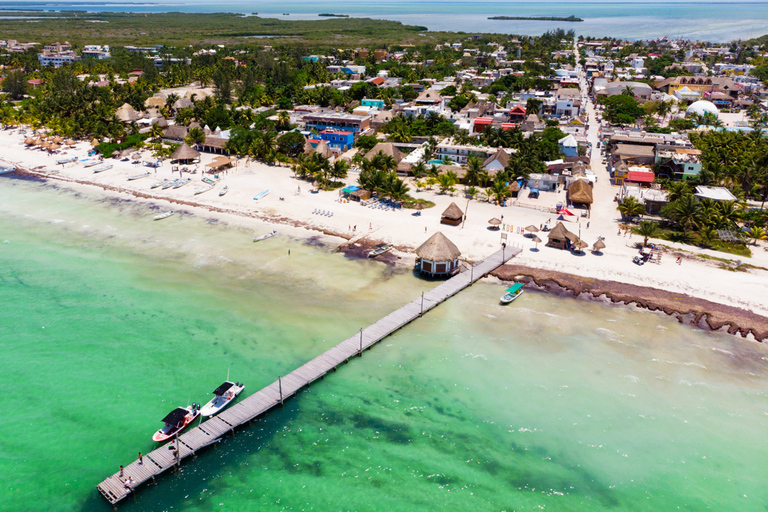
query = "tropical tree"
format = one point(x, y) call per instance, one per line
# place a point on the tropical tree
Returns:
point(195, 136)
point(156, 132)
point(446, 183)
point(500, 190)
point(473, 169)
point(685, 212)
point(757, 233)
point(630, 207)
point(647, 229)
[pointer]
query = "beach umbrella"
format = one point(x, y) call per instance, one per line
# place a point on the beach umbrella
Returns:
point(58, 140)
point(45, 145)
point(598, 246)
point(581, 244)
point(532, 229)
point(136, 156)
point(537, 241)
point(95, 142)
point(70, 142)
point(495, 222)
point(29, 141)
point(54, 147)
point(38, 142)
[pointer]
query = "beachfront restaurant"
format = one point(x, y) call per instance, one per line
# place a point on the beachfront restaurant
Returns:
point(438, 256)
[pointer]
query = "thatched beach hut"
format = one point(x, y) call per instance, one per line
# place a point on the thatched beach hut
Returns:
point(185, 153)
point(126, 113)
point(561, 238)
point(438, 256)
point(452, 215)
point(580, 193)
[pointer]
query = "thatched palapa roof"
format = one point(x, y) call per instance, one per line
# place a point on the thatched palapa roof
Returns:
point(453, 212)
point(438, 248)
point(388, 149)
point(126, 113)
point(559, 232)
point(580, 192)
point(185, 152)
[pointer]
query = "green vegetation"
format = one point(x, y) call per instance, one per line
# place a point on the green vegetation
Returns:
point(329, 15)
point(536, 18)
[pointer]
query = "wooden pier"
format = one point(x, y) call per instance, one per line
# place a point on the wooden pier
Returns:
point(210, 431)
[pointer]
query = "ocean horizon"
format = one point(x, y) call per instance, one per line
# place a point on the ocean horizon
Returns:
point(709, 20)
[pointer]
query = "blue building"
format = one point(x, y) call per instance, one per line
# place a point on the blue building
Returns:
point(372, 103)
point(338, 139)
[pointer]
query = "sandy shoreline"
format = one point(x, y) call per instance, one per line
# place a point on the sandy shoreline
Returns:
point(354, 229)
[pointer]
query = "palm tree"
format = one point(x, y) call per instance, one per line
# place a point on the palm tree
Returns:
point(156, 132)
point(678, 190)
point(419, 170)
point(757, 233)
point(647, 229)
point(195, 136)
point(500, 190)
point(707, 236)
point(339, 169)
point(474, 168)
point(446, 182)
point(630, 207)
point(685, 212)
point(284, 120)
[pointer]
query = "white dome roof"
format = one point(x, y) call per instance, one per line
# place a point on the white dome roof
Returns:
point(701, 107)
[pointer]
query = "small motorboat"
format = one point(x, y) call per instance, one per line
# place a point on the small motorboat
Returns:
point(103, 168)
point(513, 292)
point(224, 190)
point(181, 183)
point(170, 183)
point(176, 421)
point(7, 170)
point(160, 183)
point(261, 195)
point(265, 236)
point(91, 162)
point(164, 215)
point(66, 160)
point(224, 395)
point(139, 176)
point(206, 188)
point(381, 249)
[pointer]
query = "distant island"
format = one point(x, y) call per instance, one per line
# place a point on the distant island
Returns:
point(329, 15)
point(536, 18)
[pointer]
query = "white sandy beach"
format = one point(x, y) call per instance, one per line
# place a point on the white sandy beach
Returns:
point(293, 215)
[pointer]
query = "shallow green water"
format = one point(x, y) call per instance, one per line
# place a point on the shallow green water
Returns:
point(109, 320)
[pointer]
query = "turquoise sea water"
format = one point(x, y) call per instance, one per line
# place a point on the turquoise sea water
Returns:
point(711, 21)
point(108, 320)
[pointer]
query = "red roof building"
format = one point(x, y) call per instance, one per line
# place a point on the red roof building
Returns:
point(641, 176)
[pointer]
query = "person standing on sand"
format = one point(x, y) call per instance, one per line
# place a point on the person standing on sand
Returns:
point(679, 260)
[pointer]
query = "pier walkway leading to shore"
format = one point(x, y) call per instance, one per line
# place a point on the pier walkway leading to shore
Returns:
point(210, 431)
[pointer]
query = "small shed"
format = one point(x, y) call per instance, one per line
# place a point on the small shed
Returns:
point(561, 238)
point(438, 256)
point(452, 215)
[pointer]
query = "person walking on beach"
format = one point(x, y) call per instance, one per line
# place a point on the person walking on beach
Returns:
point(679, 260)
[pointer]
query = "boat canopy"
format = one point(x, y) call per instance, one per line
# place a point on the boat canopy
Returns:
point(515, 288)
point(176, 416)
point(223, 388)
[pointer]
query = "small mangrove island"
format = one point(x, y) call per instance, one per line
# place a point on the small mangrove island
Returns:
point(331, 15)
point(536, 18)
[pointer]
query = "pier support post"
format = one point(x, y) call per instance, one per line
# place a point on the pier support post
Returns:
point(471, 272)
point(280, 387)
point(360, 352)
point(422, 304)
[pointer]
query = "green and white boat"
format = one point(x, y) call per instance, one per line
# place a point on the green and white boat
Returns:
point(513, 292)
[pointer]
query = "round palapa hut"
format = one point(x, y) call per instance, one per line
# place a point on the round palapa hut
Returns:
point(185, 152)
point(452, 215)
point(438, 256)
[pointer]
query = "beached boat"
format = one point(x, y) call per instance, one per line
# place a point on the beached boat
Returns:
point(176, 421)
point(7, 170)
point(103, 168)
point(224, 190)
point(160, 183)
point(139, 176)
point(66, 160)
point(209, 181)
point(381, 249)
point(91, 162)
point(204, 189)
point(261, 195)
point(181, 183)
point(170, 183)
point(513, 292)
point(224, 395)
point(265, 236)
point(163, 215)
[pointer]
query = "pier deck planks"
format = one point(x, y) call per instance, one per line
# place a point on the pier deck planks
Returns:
point(208, 432)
